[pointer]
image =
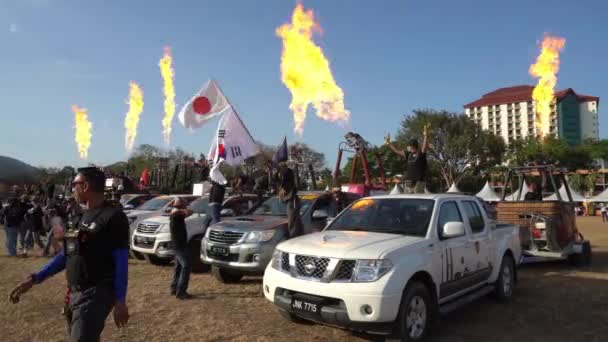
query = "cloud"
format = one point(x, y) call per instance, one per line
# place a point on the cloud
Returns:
point(12, 28)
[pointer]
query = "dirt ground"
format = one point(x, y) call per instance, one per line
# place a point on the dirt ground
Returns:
point(553, 302)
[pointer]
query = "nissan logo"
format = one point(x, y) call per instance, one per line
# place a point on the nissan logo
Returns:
point(310, 267)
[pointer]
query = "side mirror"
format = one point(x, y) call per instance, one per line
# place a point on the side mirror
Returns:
point(320, 214)
point(226, 212)
point(453, 229)
point(128, 207)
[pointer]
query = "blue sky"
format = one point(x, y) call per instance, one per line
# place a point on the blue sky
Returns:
point(389, 57)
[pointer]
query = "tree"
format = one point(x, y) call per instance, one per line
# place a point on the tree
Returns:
point(458, 146)
point(550, 151)
point(304, 155)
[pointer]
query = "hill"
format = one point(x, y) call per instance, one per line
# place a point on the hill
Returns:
point(16, 171)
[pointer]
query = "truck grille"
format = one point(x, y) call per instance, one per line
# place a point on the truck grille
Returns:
point(147, 228)
point(345, 270)
point(148, 243)
point(225, 237)
point(311, 267)
point(285, 261)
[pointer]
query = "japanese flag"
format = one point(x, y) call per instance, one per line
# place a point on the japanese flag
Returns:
point(208, 103)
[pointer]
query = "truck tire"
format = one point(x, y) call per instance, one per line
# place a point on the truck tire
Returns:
point(154, 260)
point(581, 259)
point(416, 314)
point(503, 287)
point(136, 255)
point(225, 276)
point(195, 251)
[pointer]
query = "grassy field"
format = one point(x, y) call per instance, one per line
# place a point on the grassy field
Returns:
point(553, 302)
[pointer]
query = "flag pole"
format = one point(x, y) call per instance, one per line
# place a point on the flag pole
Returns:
point(234, 109)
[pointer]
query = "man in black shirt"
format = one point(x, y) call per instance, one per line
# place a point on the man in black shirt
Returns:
point(179, 239)
point(416, 164)
point(288, 194)
point(534, 194)
point(13, 218)
point(95, 257)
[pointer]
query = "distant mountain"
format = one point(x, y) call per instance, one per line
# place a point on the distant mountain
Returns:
point(16, 171)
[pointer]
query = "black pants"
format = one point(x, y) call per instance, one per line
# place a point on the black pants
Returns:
point(89, 310)
point(181, 272)
point(294, 223)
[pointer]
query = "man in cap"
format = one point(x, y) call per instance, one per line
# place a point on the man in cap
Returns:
point(416, 163)
point(288, 194)
point(95, 257)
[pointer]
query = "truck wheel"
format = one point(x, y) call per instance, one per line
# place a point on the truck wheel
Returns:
point(293, 318)
point(225, 276)
point(581, 259)
point(154, 260)
point(136, 255)
point(415, 315)
point(503, 287)
point(195, 251)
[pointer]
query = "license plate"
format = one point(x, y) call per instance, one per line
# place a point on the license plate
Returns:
point(307, 306)
point(219, 250)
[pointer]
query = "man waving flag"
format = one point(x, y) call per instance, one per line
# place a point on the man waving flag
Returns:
point(208, 103)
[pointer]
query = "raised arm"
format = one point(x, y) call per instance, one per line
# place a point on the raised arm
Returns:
point(387, 141)
point(425, 138)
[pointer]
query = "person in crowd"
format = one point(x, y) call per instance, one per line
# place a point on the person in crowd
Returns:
point(13, 218)
point(340, 199)
point(534, 194)
point(36, 226)
point(95, 258)
point(24, 227)
point(288, 194)
point(604, 212)
point(216, 199)
point(416, 169)
point(179, 240)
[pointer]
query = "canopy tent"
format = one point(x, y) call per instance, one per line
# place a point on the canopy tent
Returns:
point(396, 190)
point(602, 197)
point(453, 189)
point(488, 194)
point(576, 196)
point(514, 196)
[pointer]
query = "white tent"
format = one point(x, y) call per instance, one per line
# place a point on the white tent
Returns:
point(602, 197)
point(514, 196)
point(488, 194)
point(453, 189)
point(396, 190)
point(576, 197)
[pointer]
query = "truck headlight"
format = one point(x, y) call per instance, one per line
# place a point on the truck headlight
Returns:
point(371, 270)
point(132, 219)
point(277, 255)
point(164, 228)
point(260, 236)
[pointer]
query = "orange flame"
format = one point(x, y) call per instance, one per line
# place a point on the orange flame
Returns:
point(83, 134)
point(306, 73)
point(136, 106)
point(166, 71)
point(546, 68)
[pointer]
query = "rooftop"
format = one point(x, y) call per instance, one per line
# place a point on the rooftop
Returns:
point(522, 93)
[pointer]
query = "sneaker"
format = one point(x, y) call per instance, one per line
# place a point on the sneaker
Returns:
point(184, 295)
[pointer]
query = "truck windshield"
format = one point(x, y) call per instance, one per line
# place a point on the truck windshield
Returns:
point(199, 206)
point(407, 216)
point(155, 204)
point(274, 207)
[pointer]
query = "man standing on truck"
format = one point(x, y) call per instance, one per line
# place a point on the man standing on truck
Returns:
point(416, 165)
point(179, 240)
point(288, 194)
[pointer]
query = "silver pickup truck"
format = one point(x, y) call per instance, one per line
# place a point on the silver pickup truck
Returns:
point(244, 245)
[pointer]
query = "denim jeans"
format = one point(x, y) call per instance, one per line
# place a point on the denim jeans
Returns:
point(181, 272)
point(11, 240)
point(213, 216)
point(24, 240)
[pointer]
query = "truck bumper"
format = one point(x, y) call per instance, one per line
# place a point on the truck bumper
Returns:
point(355, 306)
point(251, 258)
point(158, 244)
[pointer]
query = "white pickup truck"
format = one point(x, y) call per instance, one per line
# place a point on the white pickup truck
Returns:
point(392, 264)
